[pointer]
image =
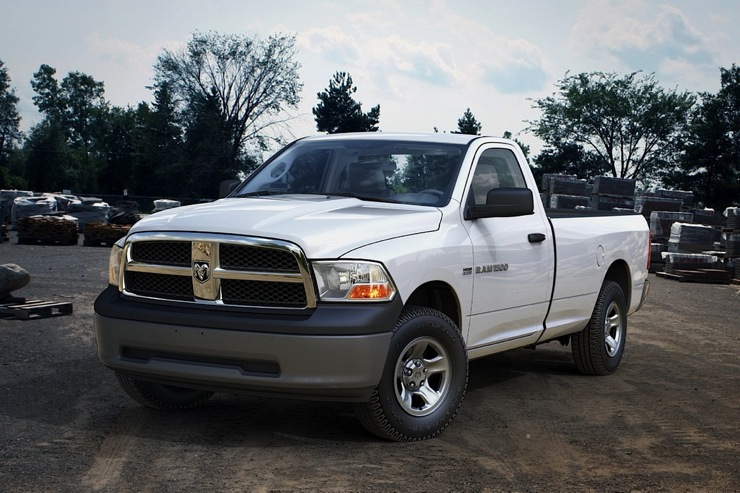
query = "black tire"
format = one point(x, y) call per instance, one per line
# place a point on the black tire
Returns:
point(424, 380)
point(160, 396)
point(598, 349)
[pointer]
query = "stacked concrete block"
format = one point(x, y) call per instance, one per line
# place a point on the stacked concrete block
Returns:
point(560, 201)
point(691, 238)
point(661, 222)
point(732, 239)
point(611, 193)
point(565, 191)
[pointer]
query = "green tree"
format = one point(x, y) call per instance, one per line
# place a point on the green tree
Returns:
point(46, 87)
point(9, 123)
point(467, 124)
point(250, 83)
point(338, 112)
point(569, 159)
point(118, 143)
point(78, 106)
point(628, 125)
point(9, 118)
point(710, 166)
point(84, 105)
point(524, 147)
point(207, 148)
point(159, 169)
point(426, 172)
point(49, 161)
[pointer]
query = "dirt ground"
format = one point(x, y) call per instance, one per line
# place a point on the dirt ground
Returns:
point(667, 421)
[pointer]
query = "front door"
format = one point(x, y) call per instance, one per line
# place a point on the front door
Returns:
point(512, 271)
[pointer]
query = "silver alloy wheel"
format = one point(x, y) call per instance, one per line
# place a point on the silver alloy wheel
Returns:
point(613, 329)
point(423, 373)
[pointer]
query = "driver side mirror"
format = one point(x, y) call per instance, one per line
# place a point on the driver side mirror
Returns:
point(503, 202)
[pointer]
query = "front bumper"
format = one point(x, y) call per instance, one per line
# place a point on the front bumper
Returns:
point(336, 352)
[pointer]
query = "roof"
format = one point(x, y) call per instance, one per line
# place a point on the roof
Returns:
point(444, 138)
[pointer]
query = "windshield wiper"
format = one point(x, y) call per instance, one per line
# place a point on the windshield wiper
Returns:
point(369, 198)
point(260, 193)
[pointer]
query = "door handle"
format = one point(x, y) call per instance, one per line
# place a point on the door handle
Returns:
point(536, 237)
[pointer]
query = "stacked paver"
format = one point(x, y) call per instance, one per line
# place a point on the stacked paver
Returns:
point(47, 230)
point(676, 227)
point(613, 193)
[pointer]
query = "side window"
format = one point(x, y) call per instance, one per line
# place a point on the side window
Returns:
point(496, 168)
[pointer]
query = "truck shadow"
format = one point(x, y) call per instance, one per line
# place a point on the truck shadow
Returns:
point(546, 361)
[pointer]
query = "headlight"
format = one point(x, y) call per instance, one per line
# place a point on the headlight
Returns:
point(353, 281)
point(114, 264)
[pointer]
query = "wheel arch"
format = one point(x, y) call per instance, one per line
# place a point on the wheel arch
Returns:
point(619, 272)
point(440, 296)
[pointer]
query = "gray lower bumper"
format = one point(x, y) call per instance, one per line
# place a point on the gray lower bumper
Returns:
point(287, 365)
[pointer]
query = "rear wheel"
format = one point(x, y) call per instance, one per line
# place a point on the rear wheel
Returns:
point(598, 349)
point(160, 396)
point(424, 380)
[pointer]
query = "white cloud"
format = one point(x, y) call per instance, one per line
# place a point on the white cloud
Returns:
point(515, 67)
point(616, 34)
point(332, 43)
point(386, 57)
point(123, 54)
point(426, 61)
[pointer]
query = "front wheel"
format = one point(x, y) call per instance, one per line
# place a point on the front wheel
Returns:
point(160, 396)
point(598, 349)
point(424, 380)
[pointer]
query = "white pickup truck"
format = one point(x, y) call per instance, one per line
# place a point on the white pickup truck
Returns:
point(367, 268)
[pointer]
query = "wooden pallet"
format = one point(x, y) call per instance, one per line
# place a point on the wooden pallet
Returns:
point(706, 276)
point(48, 240)
point(33, 309)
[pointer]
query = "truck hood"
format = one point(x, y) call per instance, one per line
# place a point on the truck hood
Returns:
point(324, 227)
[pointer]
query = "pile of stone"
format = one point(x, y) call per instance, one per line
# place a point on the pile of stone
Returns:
point(12, 278)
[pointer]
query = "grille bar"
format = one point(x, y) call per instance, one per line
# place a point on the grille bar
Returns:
point(220, 270)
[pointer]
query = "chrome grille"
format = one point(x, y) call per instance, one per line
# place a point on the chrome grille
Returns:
point(218, 270)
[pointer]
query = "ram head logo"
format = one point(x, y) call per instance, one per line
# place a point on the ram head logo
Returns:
point(201, 271)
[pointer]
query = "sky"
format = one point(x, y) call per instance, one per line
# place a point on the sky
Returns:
point(423, 62)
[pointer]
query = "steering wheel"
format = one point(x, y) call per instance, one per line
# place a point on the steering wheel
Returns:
point(432, 191)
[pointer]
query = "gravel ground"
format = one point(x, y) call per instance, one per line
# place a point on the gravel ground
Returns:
point(666, 421)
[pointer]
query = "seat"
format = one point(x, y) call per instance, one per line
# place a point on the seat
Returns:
point(365, 179)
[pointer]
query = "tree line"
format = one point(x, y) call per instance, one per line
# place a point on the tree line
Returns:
point(224, 99)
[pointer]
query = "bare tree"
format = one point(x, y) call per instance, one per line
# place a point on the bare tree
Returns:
point(250, 80)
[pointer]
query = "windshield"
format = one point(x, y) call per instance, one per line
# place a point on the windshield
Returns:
point(381, 170)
